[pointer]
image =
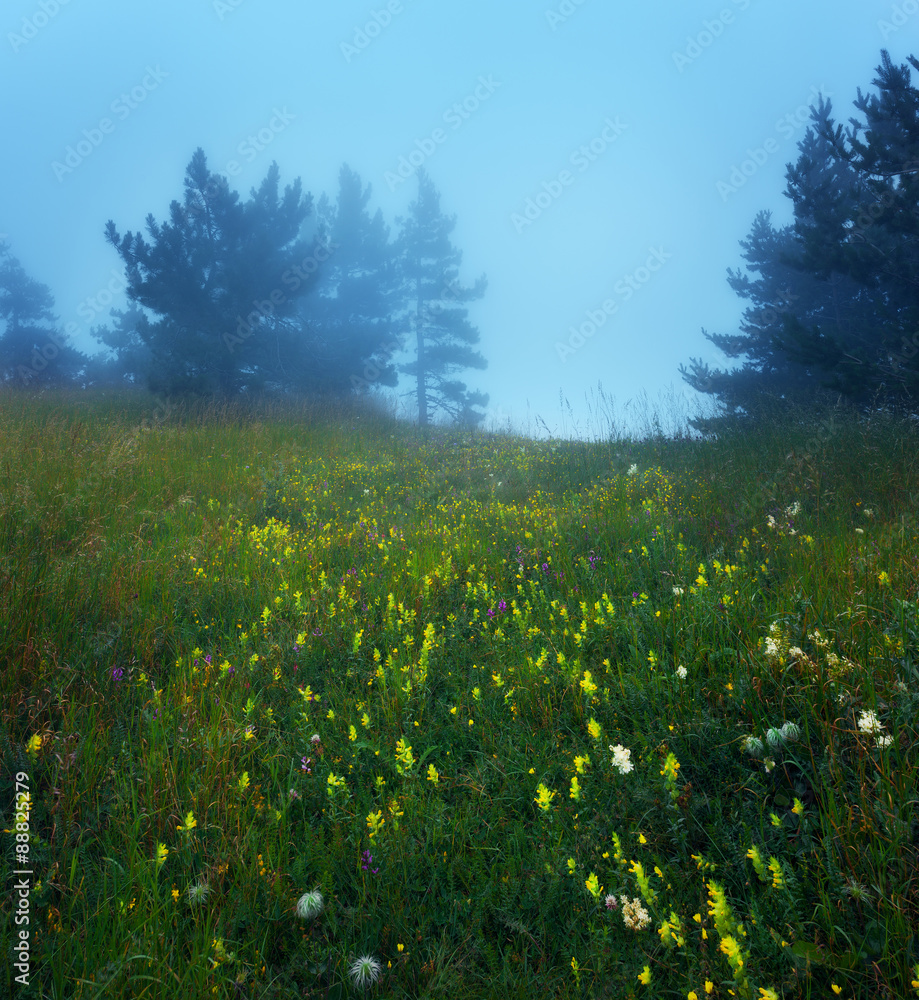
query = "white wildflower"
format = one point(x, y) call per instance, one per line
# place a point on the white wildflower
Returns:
point(868, 722)
point(621, 758)
point(681, 672)
point(309, 905)
point(365, 971)
point(634, 915)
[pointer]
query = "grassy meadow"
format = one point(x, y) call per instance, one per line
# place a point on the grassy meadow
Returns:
point(309, 704)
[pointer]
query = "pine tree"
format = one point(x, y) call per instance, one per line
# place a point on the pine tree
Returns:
point(32, 350)
point(441, 334)
point(223, 277)
point(128, 360)
point(348, 318)
point(835, 299)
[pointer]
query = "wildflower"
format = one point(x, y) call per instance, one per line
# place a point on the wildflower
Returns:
point(678, 591)
point(198, 893)
point(838, 989)
point(798, 807)
point(33, 745)
point(189, 824)
point(884, 579)
point(433, 776)
point(610, 902)
point(765, 994)
point(587, 683)
point(162, 852)
point(753, 746)
point(366, 862)
point(790, 731)
point(868, 722)
point(309, 905)
point(621, 758)
point(758, 863)
point(634, 915)
point(581, 763)
point(593, 886)
point(774, 738)
point(244, 781)
point(375, 823)
point(633, 469)
point(681, 672)
point(593, 727)
point(709, 986)
point(364, 971)
point(778, 879)
point(644, 976)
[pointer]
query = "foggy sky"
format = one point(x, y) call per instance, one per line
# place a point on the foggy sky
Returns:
point(603, 158)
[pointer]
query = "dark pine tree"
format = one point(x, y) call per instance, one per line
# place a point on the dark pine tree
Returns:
point(834, 302)
point(440, 331)
point(222, 278)
point(128, 360)
point(32, 350)
point(348, 319)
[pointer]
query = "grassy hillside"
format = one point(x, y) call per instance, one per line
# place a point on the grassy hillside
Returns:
point(289, 688)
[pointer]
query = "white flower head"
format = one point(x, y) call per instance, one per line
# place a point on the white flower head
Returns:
point(198, 893)
point(775, 738)
point(753, 746)
point(633, 470)
point(868, 722)
point(621, 758)
point(364, 971)
point(309, 905)
point(681, 672)
point(790, 732)
point(678, 591)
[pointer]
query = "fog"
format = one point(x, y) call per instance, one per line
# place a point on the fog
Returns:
point(603, 160)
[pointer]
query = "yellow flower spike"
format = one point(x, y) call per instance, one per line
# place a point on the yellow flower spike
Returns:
point(798, 807)
point(691, 995)
point(162, 852)
point(33, 745)
point(765, 994)
point(571, 865)
point(189, 824)
point(642, 839)
point(838, 989)
point(709, 986)
point(644, 976)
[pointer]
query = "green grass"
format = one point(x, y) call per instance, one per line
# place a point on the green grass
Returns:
point(240, 648)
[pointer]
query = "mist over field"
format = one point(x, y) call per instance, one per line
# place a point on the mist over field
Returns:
point(602, 166)
point(459, 500)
